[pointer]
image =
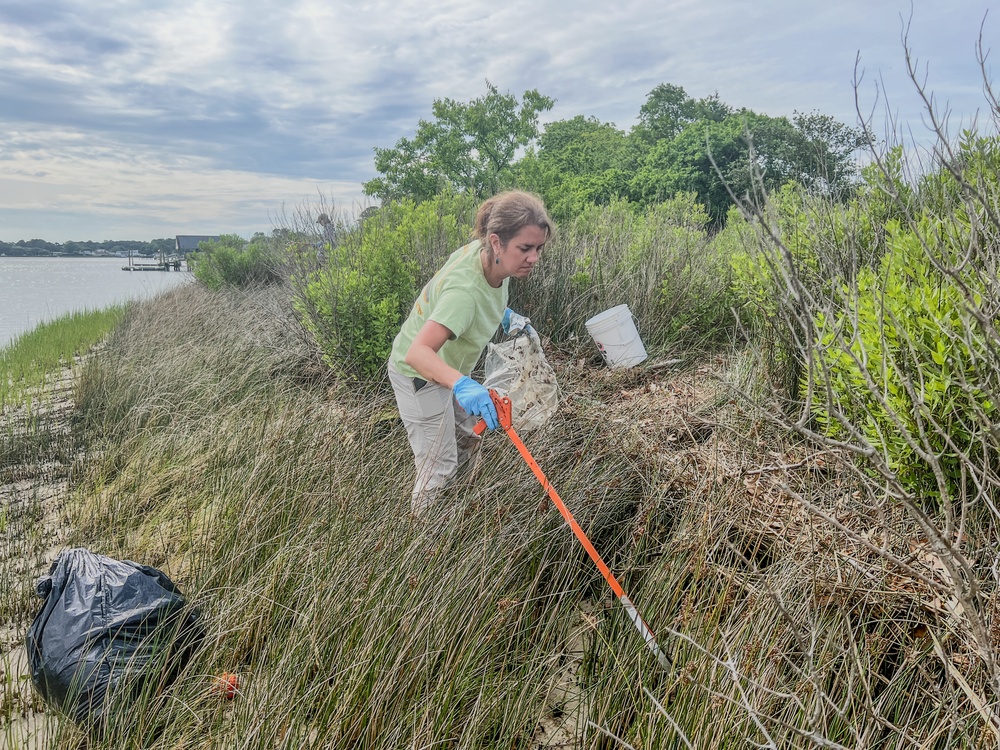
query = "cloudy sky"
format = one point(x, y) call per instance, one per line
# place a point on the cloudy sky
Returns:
point(138, 119)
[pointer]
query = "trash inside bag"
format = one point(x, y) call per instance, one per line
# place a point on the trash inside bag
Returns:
point(518, 369)
point(107, 630)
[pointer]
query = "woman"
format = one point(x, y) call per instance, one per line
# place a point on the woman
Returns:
point(452, 320)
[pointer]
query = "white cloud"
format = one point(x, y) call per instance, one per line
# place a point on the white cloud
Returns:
point(153, 113)
point(171, 195)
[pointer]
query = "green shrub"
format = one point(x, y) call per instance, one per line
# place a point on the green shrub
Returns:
point(232, 261)
point(659, 260)
point(804, 233)
point(792, 259)
point(905, 364)
point(883, 195)
point(355, 303)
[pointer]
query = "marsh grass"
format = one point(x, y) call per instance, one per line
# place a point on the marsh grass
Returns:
point(47, 349)
point(37, 450)
point(37, 359)
point(352, 624)
point(277, 498)
point(36, 439)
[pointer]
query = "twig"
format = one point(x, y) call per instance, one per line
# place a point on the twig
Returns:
point(788, 467)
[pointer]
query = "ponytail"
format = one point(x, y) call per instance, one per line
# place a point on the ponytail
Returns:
point(506, 214)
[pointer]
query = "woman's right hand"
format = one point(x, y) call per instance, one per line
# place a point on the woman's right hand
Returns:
point(476, 400)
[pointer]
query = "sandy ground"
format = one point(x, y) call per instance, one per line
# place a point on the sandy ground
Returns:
point(563, 726)
point(32, 533)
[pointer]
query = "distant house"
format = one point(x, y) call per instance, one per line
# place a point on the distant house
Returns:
point(188, 243)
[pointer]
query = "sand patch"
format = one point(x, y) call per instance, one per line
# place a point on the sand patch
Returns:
point(33, 492)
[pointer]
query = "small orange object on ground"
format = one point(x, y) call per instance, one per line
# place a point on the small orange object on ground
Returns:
point(227, 684)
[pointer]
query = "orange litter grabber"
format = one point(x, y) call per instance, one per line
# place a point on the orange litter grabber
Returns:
point(502, 404)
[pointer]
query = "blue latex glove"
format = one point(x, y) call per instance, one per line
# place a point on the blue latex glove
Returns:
point(475, 399)
point(514, 324)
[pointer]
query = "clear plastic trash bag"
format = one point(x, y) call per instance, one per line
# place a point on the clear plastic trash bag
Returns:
point(518, 369)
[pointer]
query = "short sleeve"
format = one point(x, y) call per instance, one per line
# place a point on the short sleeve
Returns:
point(455, 310)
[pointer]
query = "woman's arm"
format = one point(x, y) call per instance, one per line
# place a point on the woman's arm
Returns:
point(423, 357)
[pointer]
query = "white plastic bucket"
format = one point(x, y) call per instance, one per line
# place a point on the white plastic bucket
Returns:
point(617, 337)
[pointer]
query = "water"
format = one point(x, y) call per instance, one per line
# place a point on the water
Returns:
point(37, 290)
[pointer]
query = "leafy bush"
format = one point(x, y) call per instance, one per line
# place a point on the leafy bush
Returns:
point(659, 260)
point(786, 261)
point(355, 303)
point(814, 235)
point(883, 195)
point(234, 262)
point(904, 363)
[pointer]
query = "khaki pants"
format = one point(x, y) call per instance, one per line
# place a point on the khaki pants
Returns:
point(440, 434)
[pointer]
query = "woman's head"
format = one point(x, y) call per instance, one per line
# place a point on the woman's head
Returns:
point(506, 214)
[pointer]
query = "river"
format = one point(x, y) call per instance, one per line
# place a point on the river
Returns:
point(36, 290)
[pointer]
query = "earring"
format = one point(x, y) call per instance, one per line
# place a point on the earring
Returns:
point(497, 261)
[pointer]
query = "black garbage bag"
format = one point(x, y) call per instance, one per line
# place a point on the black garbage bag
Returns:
point(107, 630)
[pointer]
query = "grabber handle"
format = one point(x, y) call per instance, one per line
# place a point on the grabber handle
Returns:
point(502, 404)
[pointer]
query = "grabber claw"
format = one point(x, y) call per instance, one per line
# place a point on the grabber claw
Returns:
point(502, 404)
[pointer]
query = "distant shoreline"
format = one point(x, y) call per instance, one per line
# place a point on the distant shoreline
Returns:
point(76, 255)
point(38, 248)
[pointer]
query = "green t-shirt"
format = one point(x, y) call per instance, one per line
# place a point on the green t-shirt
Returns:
point(459, 298)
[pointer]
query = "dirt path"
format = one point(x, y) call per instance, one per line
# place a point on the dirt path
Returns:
point(33, 492)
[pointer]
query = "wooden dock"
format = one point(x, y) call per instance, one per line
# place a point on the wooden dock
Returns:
point(166, 265)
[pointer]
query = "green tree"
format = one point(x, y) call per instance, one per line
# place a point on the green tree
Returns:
point(232, 261)
point(668, 110)
point(469, 147)
point(579, 162)
point(685, 164)
point(828, 150)
point(748, 154)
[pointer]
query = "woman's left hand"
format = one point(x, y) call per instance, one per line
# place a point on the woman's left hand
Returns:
point(514, 324)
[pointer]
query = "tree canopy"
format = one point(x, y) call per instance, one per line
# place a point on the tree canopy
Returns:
point(679, 145)
point(468, 147)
